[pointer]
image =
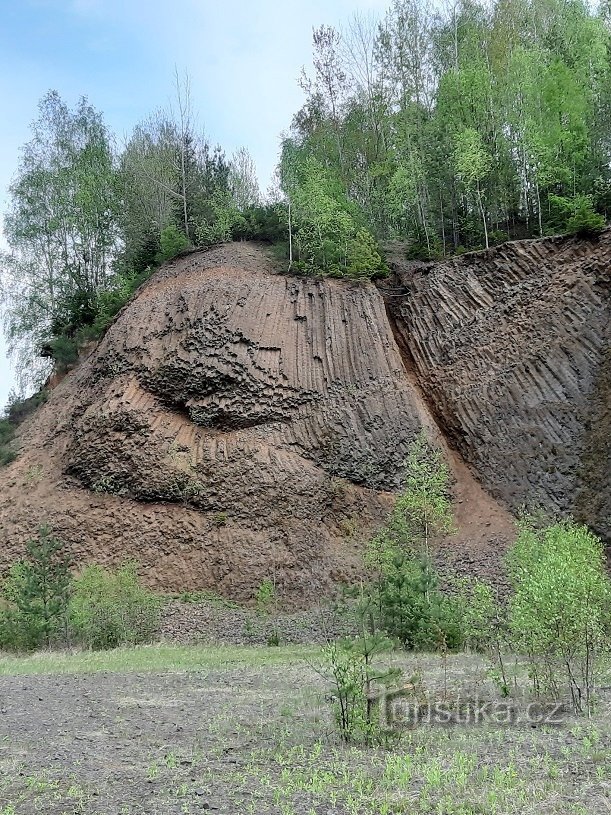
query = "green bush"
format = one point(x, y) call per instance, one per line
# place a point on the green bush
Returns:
point(172, 242)
point(575, 216)
point(412, 608)
point(560, 608)
point(18, 630)
point(357, 677)
point(35, 595)
point(265, 597)
point(64, 351)
point(108, 609)
point(405, 585)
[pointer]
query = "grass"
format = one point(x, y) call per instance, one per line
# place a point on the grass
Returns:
point(252, 733)
point(155, 659)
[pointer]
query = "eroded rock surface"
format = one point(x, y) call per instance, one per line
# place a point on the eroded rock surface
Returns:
point(233, 425)
point(236, 424)
point(512, 350)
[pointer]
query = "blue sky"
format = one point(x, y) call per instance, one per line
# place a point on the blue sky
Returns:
point(244, 59)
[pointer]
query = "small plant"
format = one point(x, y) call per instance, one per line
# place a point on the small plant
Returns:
point(220, 519)
point(576, 215)
point(408, 603)
point(349, 527)
point(266, 597)
point(356, 677)
point(110, 485)
point(172, 242)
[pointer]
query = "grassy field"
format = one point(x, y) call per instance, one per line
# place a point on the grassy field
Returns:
point(168, 730)
point(154, 658)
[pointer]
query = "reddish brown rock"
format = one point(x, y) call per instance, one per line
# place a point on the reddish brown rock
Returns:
point(235, 424)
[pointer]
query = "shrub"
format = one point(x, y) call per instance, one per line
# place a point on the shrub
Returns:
point(559, 612)
point(108, 609)
point(574, 215)
point(18, 631)
point(172, 242)
point(64, 351)
point(413, 610)
point(424, 509)
point(36, 595)
point(266, 598)
point(355, 677)
point(7, 456)
point(410, 605)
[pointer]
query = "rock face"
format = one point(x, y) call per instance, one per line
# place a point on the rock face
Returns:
point(511, 348)
point(235, 424)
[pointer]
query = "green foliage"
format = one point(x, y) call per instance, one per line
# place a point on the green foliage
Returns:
point(64, 351)
point(266, 600)
point(15, 413)
point(423, 509)
point(574, 215)
point(560, 608)
point(108, 609)
point(172, 242)
point(413, 610)
point(7, 434)
point(328, 236)
point(224, 220)
point(267, 224)
point(266, 597)
point(357, 677)
point(61, 227)
point(445, 126)
point(479, 611)
point(405, 591)
point(36, 595)
point(18, 630)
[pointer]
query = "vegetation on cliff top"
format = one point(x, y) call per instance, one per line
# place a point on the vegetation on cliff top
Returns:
point(449, 130)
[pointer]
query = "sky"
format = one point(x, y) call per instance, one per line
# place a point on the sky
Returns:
point(243, 58)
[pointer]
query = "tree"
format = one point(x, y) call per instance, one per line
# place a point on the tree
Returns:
point(455, 126)
point(171, 176)
point(559, 612)
point(410, 605)
point(326, 233)
point(61, 226)
point(473, 163)
point(424, 508)
point(243, 181)
point(44, 592)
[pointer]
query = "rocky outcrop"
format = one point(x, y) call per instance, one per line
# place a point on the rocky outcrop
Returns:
point(511, 348)
point(236, 424)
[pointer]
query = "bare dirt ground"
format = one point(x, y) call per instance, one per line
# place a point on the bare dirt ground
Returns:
point(256, 737)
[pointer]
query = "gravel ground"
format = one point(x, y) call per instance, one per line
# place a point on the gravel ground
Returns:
point(245, 740)
point(218, 622)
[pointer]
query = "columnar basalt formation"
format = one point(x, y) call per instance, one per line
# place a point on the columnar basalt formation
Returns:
point(511, 348)
point(236, 424)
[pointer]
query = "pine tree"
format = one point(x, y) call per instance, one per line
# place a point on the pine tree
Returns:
point(45, 591)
